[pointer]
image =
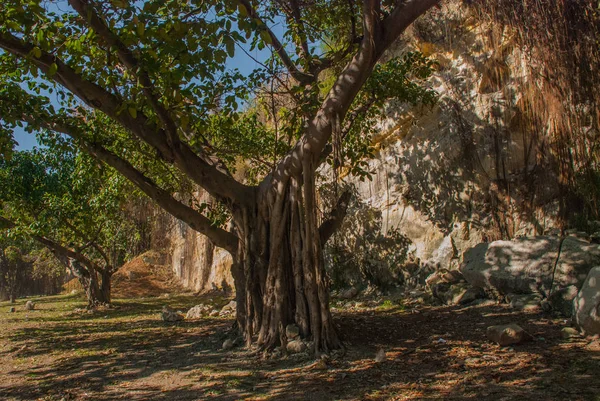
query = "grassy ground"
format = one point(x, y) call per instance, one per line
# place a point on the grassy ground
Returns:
point(59, 353)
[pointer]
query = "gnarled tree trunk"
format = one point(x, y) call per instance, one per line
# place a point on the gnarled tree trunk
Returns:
point(97, 293)
point(279, 272)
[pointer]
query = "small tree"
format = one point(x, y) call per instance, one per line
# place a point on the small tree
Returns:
point(13, 271)
point(74, 207)
point(159, 70)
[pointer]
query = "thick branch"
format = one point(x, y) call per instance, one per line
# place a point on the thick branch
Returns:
point(300, 76)
point(377, 38)
point(88, 12)
point(336, 218)
point(56, 248)
point(217, 183)
point(194, 219)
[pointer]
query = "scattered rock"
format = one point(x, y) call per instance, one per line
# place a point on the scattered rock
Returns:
point(577, 258)
point(29, 305)
point(507, 334)
point(169, 315)
point(349, 293)
point(521, 266)
point(229, 308)
point(380, 356)
point(561, 300)
point(12, 309)
point(164, 296)
point(587, 304)
point(444, 276)
point(214, 313)
point(527, 265)
point(228, 344)
point(569, 332)
point(292, 331)
point(197, 311)
point(457, 294)
point(524, 302)
point(296, 346)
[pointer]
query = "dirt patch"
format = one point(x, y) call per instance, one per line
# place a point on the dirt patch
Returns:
point(144, 276)
point(431, 352)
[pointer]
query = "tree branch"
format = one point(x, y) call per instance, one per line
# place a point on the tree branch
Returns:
point(300, 76)
point(378, 36)
point(336, 218)
point(164, 199)
point(55, 247)
point(201, 171)
point(88, 13)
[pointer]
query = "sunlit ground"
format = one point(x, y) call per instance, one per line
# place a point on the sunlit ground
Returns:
point(56, 353)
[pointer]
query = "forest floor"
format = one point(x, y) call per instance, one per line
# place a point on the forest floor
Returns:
point(60, 352)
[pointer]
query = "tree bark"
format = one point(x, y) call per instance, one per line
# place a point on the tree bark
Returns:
point(96, 293)
point(279, 269)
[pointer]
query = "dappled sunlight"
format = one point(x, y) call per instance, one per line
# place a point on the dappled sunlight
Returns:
point(435, 352)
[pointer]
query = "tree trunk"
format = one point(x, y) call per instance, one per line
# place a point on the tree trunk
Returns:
point(13, 297)
point(95, 293)
point(279, 268)
point(105, 287)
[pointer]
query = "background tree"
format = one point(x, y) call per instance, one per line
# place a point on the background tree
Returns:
point(74, 207)
point(159, 70)
point(13, 270)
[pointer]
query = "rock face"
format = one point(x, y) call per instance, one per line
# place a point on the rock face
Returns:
point(507, 334)
point(587, 304)
point(535, 265)
point(196, 262)
point(561, 300)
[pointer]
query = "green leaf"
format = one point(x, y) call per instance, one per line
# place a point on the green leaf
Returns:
point(133, 112)
point(52, 69)
point(141, 29)
point(37, 53)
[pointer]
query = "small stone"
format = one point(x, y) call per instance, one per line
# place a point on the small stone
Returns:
point(214, 313)
point(380, 356)
point(292, 331)
point(229, 308)
point(12, 309)
point(197, 311)
point(296, 346)
point(169, 315)
point(321, 364)
point(569, 332)
point(228, 344)
point(507, 334)
point(524, 302)
point(349, 293)
point(29, 305)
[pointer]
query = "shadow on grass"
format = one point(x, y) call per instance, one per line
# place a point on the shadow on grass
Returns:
point(439, 353)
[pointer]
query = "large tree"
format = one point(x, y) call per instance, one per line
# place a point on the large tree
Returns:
point(160, 70)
